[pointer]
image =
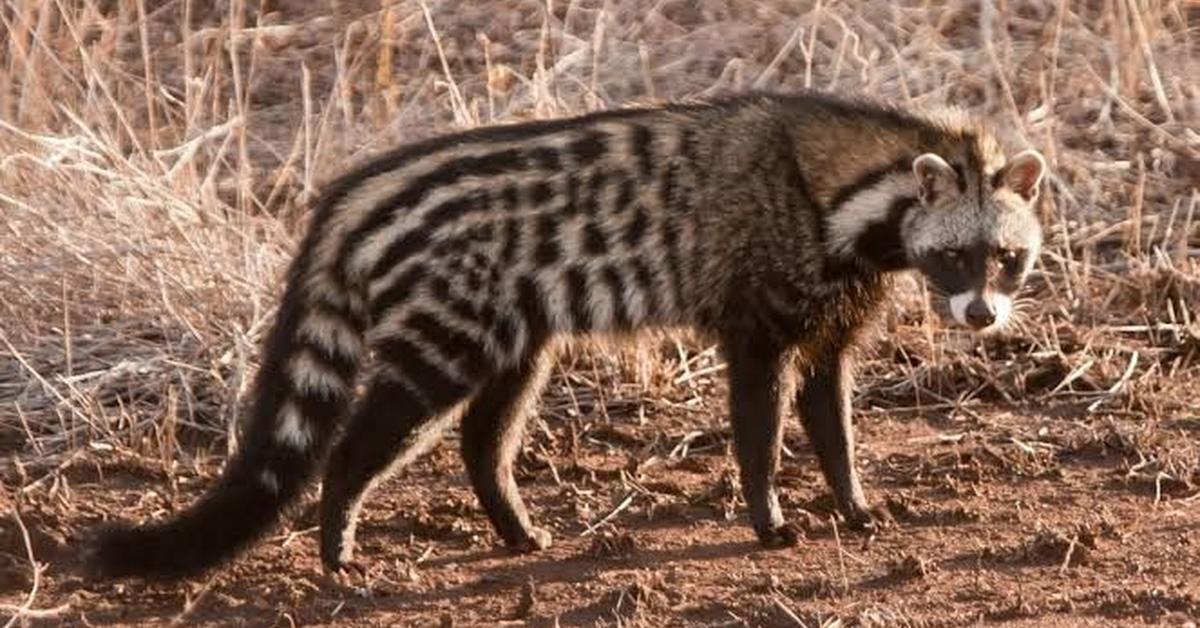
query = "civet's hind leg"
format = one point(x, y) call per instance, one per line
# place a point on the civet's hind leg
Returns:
point(491, 438)
point(393, 418)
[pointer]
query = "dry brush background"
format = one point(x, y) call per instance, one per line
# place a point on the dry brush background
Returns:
point(155, 159)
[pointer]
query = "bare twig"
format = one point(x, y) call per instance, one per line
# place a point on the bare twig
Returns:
point(26, 611)
point(612, 514)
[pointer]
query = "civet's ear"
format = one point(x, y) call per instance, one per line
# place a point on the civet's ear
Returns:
point(1023, 174)
point(936, 178)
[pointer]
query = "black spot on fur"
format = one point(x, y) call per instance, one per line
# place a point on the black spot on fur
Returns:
point(594, 243)
point(540, 193)
point(439, 287)
point(589, 148)
point(545, 158)
point(595, 192)
point(531, 305)
point(674, 204)
point(504, 332)
point(616, 290)
point(512, 241)
point(636, 230)
point(997, 180)
point(577, 296)
point(645, 285)
point(510, 198)
point(960, 177)
point(571, 192)
point(688, 146)
point(643, 147)
point(666, 189)
point(548, 251)
point(625, 193)
point(482, 233)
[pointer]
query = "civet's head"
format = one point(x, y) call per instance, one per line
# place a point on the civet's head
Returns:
point(976, 240)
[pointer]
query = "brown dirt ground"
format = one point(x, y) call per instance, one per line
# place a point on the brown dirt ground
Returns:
point(1032, 517)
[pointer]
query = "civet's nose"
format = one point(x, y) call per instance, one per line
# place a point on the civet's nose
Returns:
point(980, 314)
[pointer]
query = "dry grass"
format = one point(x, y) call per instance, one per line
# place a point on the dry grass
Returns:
point(154, 168)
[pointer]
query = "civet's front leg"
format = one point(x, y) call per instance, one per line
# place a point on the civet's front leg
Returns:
point(823, 402)
point(757, 395)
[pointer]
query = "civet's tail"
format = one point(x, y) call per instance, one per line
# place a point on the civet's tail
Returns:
point(310, 361)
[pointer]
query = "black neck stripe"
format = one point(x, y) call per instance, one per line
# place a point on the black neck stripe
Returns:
point(881, 244)
point(867, 181)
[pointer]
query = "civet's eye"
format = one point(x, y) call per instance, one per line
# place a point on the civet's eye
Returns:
point(1010, 258)
point(953, 257)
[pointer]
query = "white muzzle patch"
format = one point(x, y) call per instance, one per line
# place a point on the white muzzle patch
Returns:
point(1000, 305)
point(958, 306)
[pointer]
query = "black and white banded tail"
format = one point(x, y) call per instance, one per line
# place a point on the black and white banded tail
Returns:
point(310, 362)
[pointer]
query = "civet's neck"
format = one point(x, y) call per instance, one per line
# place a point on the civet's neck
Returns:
point(864, 221)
